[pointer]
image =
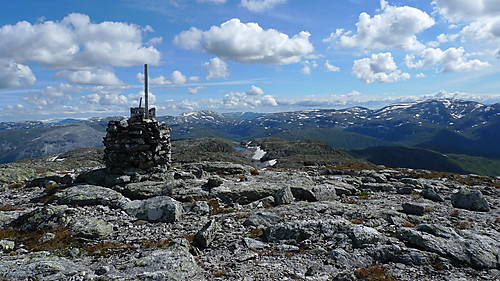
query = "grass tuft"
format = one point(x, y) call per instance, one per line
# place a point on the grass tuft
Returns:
point(375, 272)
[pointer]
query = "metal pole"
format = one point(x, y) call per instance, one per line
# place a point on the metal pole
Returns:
point(146, 109)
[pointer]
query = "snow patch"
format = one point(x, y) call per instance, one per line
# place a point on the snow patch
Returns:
point(259, 153)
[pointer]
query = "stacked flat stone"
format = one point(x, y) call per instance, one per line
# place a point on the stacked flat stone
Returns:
point(136, 145)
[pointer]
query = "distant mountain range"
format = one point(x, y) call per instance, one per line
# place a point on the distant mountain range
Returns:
point(442, 126)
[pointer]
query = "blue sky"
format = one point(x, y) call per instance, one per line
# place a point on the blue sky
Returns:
point(70, 58)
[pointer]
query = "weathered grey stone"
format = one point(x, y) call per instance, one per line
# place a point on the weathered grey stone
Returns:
point(430, 194)
point(172, 263)
point(221, 168)
point(478, 251)
point(156, 209)
point(214, 182)
point(243, 192)
point(364, 235)
point(254, 244)
point(378, 186)
point(147, 189)
point(414, 208)
point(262, 218)
point(47, 217)
point(198, 208)
point(471, 200)
point(91, 228)
point(405, 190)
point(101, 177)
point(398, 254)
point(88, 195)
point(266, 202)
point(283, 196)
point(206, 235)
point(41, 266)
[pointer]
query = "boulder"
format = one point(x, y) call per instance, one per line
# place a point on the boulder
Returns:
point(102, 178)
point(42, 218)
point(430, 194)
point(414, 208)
point(262, 218)
point(156, 209)
point(478, 251)
point(471, 200)
point(206, 234)
point(283, 196)
point(364, 235)
point(88, 195)
point(144, 190)
point(41, 266)
point(172, 263)
point(91, 228)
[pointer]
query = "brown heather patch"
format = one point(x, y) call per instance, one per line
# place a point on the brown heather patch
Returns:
point(216, 209)
point(254, 172)
point(374, 272)
point(408, 224)
point(357, 221)
point(11, 208)
point(162, 243)
point(16, 185)
point(464, 225)
point(31, 239)
point(257, 232)
point(106, 248)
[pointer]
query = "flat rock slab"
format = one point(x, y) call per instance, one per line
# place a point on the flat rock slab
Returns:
point(470, 200)
point(156, 209)
point(88, 195)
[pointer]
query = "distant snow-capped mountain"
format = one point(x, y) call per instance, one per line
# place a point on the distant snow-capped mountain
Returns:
point(446, 124)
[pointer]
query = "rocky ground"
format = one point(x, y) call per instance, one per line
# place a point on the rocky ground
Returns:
point(208, 220)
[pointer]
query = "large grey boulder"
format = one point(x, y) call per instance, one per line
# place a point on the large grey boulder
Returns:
point(206, 234)
point(430, 194)
point(47, 217)
point(244, 192)
point(88, 195)
point(283, 196)
point(315, 192)
point(102, 177)
point(471, 200)
point(364, 235)
point(147, 189)
point(41, 266)
point(156, 209)
point(172, 263)
point(262, 218)
point(478, 251)
point(413, 208)
point(91, 228)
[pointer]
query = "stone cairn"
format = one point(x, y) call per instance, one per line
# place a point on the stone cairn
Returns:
point(140, 144)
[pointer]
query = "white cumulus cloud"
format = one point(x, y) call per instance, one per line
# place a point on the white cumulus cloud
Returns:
point(90, 76)
point(15, 75)
point(195, 90)
point(379, 67)
point(247, 43)
point(261, 5)
point(451, 60)
point(483, 16)
point(394, 27)
point(250, 99)
point(76, 41)
point(217, 68)
point(330, 67)
point(52, 96)
point(176, 78)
